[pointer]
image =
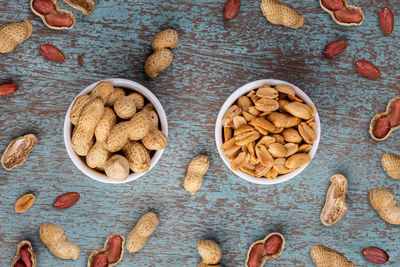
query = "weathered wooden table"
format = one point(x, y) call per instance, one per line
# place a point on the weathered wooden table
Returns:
point(213, 59)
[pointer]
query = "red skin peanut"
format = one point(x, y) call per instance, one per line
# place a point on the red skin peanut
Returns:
point(43, 7)
point(19, 264)
point(348, 16)
point(332, 4)
point(368, 69)
point(100, 261)
point(375, 255)
point(52, 53)
point(231, 9)
point(25, 256)
point(386, 20)
point(272, 244)
point(66, 200)
point(7, 88)
point(395, 114)
point(256, 255)
point(59, 20)
point(335, 48)
point(114, 252)
point(382, 127)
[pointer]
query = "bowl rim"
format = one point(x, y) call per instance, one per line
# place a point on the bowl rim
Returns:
point(232, 98)
point(129, 85)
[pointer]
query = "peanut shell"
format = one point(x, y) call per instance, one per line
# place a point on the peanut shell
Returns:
point(84, 131)
point(146, 226)
point(57, 242)
point(85, 6)
point(384, 203)
point(12, 34)
point(391, 165)
point(196, 170)
point(57, 11)
point(138, 156)
point(346, 7)
point(79, 104)
point(17, 257)
point(166, 39)
point(103, 90)
point(155, 140)
point(335, 204)
point(265, 256)
point(105, 249)
point(382, 115)
point(106, 123)
point(157, 62)
point(324, 257)
point(210, 252)
point(117, 168)
point(18, 151)
point(280, 13)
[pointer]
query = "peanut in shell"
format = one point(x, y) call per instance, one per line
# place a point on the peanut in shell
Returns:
point(12, 34)
point(324, 257)
point(196, 170)
point(146, 226)
point(391, 165)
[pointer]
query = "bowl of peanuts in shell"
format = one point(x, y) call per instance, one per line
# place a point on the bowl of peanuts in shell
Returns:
point(267, 131)
point(115, 131)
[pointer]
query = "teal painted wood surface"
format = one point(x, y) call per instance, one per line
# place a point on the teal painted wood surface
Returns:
point(213, 59)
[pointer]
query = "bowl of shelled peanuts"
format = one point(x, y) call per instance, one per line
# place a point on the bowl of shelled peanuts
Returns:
point(267, 131)
point(115, 131)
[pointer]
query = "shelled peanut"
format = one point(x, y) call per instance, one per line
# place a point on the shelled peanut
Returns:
point(110, 255)
point(25, 256)
point(269, 132)
point(115, 132)
point(271, 247)
point(342, 13)
point(383, 124)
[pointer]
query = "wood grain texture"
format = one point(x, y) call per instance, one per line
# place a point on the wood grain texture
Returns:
point(214, 58)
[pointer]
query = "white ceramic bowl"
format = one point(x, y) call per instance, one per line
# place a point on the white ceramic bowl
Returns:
point(232, 99)
point(81, 164)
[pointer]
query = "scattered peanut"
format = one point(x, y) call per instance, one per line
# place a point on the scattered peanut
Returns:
point(391, 165)
point(384, 203)
point(342, 13)
point(195, 172)
point(25, 256)
point(24, 203)
point(280, 13)
point(231, 9)
point(210, 252)
point(66, 200)
point(52, 53)
point(162, 56)
point(12, 34)
point(386, 20)
point(368, 69)
point(271, 247)
point(323, 256)
point(141, 232)
point(383, 124)
point(335, 204)
point(57, 242)
point(18, 151)
point(110, 255)
point(52, 16)
point(8, 88)
point(375, 255)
